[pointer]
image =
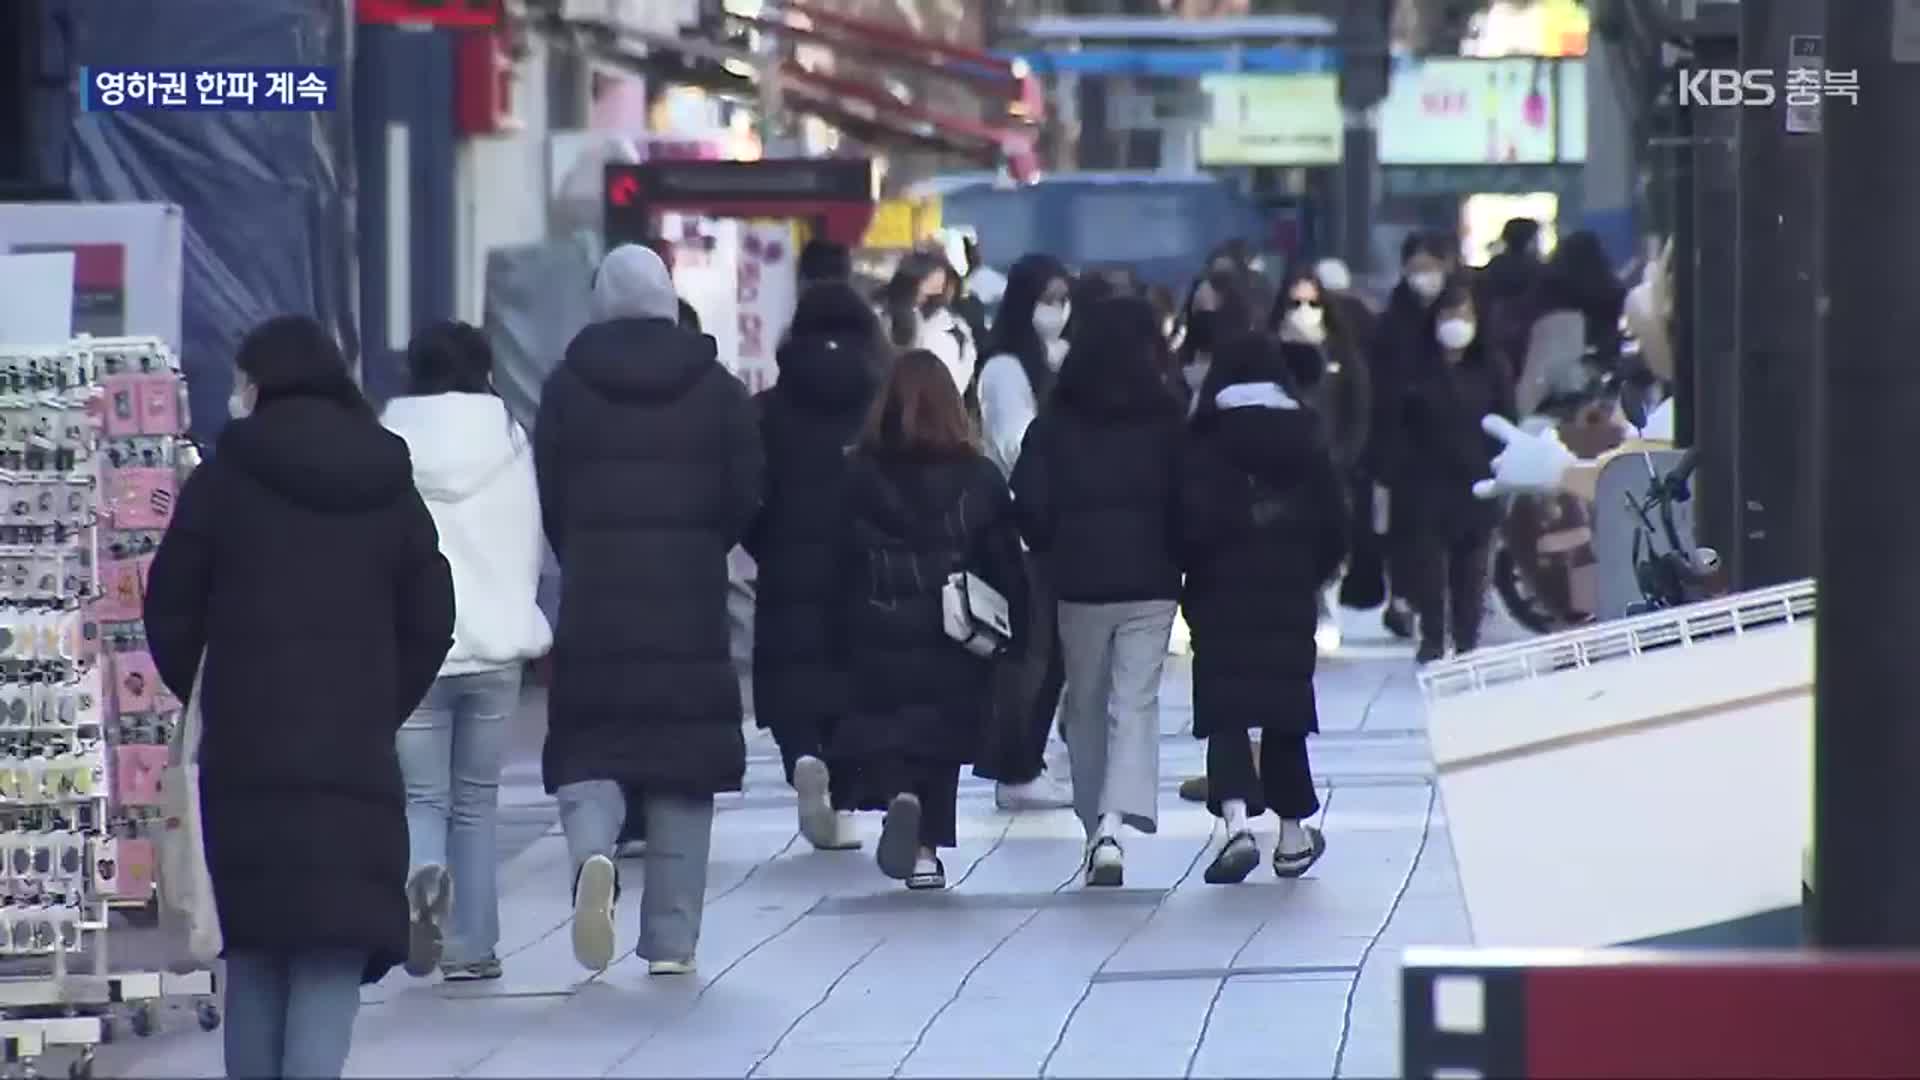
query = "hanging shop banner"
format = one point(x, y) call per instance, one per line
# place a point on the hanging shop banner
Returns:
point(766, 290)
point(1470, 112)
point(1271, 120)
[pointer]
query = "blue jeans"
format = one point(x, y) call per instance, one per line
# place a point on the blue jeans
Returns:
point(291, 1014)
point(450, 750)
point(679, 842)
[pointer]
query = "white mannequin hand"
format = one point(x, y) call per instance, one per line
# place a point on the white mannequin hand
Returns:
point(1530, 465)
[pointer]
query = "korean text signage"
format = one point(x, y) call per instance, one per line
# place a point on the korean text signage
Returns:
point(466, 14)
point(1470, 112)
point(236, 89)
point(1271, 120)
point(799, 188)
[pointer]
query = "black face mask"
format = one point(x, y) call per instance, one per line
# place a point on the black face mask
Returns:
point(1203, 328)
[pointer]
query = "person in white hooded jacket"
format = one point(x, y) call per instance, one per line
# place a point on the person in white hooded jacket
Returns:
point(1029, 344)
point(473, 464)
point(917, 309)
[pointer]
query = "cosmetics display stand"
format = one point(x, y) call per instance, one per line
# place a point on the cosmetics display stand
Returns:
point(90, 452)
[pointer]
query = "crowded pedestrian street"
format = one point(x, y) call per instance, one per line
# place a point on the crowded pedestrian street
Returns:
point(813, 966)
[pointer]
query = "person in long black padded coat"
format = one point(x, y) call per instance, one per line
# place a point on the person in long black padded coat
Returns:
point(306, 569)
point(1263, 530)
point(921, 502)
point(650, 470)
point(809, 419)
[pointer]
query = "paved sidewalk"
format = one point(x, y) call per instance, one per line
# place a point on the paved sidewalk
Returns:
point(813, 965)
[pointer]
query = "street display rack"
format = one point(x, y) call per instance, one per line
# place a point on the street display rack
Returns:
point(91, 450)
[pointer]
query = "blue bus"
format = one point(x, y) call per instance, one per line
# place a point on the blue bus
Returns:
point(1162, 226)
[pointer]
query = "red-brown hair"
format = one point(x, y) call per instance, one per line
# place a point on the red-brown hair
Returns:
point(918, 410)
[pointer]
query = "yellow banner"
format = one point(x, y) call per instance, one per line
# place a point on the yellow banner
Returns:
point(902, 224)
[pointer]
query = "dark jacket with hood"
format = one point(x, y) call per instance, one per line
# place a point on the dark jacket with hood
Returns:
point(1264, 528)
point(1097, 488)
point(305, 566)
point(910, 520)
point(1447, 451)
point(649, 463)
point(808, 422)
point(1399, 348)
point(1332, 380)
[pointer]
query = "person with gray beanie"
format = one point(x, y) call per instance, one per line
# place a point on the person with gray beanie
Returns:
point(649, 463)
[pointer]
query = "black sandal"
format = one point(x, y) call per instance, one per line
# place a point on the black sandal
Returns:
point(1235, 861)
point(1291, 865)
point(930, 880)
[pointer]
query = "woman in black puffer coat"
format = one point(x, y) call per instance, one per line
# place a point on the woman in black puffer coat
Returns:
point(921, 502)
point(304, 567)
point(1460, 381)
point(1263, 529)
point(828, 367)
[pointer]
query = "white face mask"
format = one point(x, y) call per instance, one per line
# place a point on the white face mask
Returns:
point(1454, 333)
point(1050, 320)
point(240, 402)
point(1427, 283)
point(1305, 324)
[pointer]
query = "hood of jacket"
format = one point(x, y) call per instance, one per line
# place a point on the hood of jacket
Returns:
point(459, 442)
point(319, 453)
point(649, 361)
point(905, 496)
point(1262, 430)
point(830, 372)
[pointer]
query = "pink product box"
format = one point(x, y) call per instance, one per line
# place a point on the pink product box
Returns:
point(137, 687)
point(159, 404)
point(137, 770)
point(140, 498)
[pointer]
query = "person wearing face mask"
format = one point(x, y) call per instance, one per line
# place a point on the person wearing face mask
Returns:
point(919, 314)
point(1217, 310)
point(1448, 452)
point(1331, 379)
point(1400, 347)
point(1028, 345)
point(300, 599)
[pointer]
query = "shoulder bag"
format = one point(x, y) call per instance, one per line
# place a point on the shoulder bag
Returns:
point(975, 615)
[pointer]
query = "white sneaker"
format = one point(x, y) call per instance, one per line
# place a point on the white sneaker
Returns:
point(670, 967)
point(1105, 863)
point(1041, 793)
point(593, 914)
point(818, 822)
point(846, 832)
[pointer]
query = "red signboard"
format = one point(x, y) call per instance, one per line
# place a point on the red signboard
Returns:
point(462, 14)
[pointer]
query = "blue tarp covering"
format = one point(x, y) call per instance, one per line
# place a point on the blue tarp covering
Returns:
point(267, 196)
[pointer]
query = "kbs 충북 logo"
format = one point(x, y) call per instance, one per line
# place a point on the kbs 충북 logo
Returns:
point(1758, 87)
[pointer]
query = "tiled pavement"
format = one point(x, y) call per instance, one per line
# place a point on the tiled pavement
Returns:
point(812, 965)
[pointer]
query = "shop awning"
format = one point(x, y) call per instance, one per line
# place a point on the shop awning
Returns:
point(862, 109)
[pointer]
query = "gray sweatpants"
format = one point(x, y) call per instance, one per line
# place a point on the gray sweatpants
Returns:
point(1114, 656)
point(679, 840)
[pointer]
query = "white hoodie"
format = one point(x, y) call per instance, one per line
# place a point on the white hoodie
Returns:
point(474, 466)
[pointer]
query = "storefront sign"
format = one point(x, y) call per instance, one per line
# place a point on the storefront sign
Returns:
point(1470, 112)
point(1271, 120)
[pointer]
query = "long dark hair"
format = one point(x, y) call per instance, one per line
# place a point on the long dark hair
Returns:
point(918, 412)
point(1233, 317)
point(1013, 332)
point(1457, 293)
point(901, 297)
point(449, 358)
point(1580, 278)
point(294, 356)
point(1118, 364)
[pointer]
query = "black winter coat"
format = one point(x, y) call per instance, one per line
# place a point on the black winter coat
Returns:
point(650, 467)
point(911, 521)
point(305, 566)
point(1264, 528)
point(1447, 451)
point(1332, 380)
point(808, 421)
point(1097, 494)
point(1400, 351)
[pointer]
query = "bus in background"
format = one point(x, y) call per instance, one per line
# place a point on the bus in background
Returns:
point(1162, 226)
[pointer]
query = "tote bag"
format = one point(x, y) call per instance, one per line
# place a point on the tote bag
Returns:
point(186, 886)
